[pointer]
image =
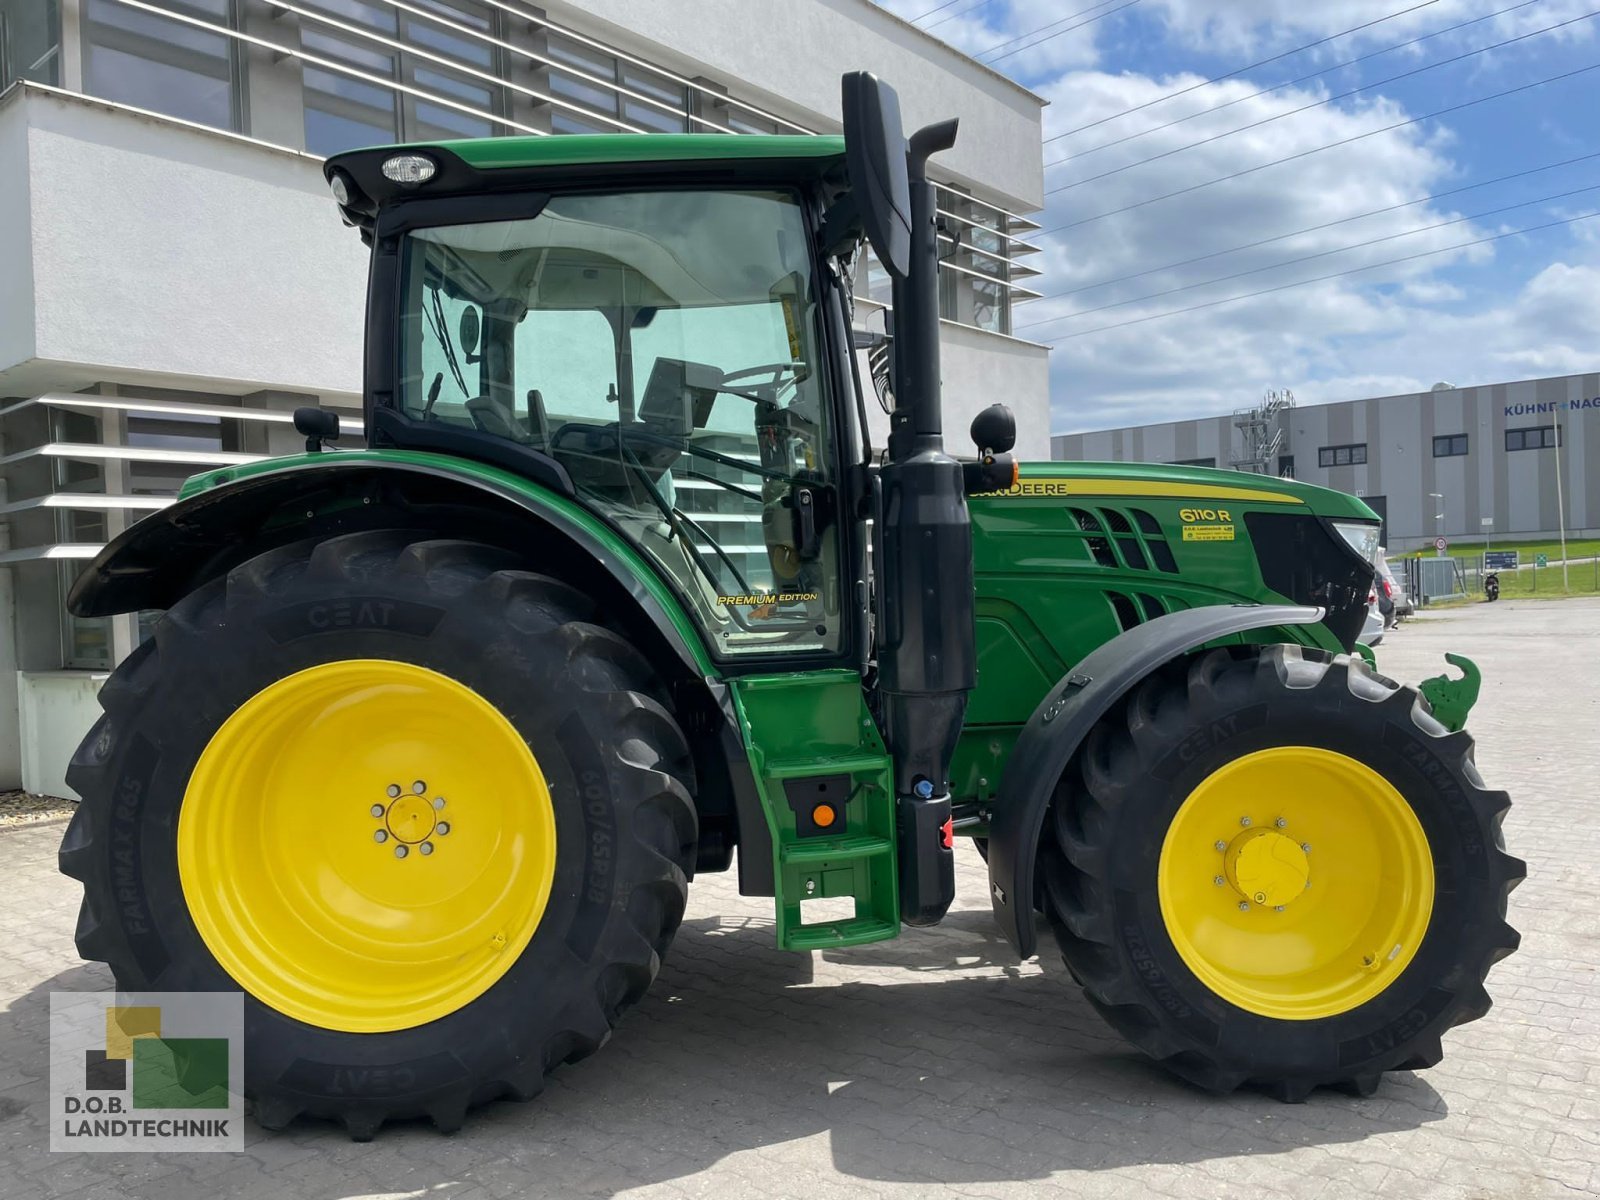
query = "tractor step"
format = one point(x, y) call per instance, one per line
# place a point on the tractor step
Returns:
point(828, 935)
point(823, 851)
point(827, 791)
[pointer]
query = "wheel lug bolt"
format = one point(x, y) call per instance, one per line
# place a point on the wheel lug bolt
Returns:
point(401, 851)
point(1221, 846)
point(419, 787)
point(1306, 846)
point(1280, 822)
point(1277, 908)
point(378, 810)
point(442, 828)
point(1244, 906)
point(394, 790)
point(427, 848)
point(1218, 880)
point(438, 801)
point(381, 836)
point(1245, 821)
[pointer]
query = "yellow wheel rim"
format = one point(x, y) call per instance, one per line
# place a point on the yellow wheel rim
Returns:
point(366, 845)
point(1296, 883)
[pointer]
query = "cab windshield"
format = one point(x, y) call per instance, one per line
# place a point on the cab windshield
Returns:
point(662, 346)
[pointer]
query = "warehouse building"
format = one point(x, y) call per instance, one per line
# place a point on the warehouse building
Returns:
point(1468, 464)
point(174, 277)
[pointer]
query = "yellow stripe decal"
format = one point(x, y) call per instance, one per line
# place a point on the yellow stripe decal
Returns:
point(1141, 487)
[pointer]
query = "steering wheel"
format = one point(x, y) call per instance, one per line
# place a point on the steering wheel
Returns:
point(776, 370)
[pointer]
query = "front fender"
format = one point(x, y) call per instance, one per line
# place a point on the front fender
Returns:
point(1063, 719)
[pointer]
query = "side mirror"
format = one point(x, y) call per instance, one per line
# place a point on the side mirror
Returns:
point(994, 430)
point(875, 155)
point(469, 329)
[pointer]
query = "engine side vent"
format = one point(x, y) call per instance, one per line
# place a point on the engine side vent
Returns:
point(1127, 615)
point(1099, 547)
point(1115, 521)
point(1132, 554)
point(1162, 553)
point(1148, 525)
point(1152, 607)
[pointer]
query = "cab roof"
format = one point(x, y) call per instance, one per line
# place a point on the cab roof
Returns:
point(513, 163)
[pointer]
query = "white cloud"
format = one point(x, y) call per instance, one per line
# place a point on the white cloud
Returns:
point(1265, 27)
point(1216, 358)
point(1459, 314)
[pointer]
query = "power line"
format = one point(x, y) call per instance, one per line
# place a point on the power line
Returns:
point(971, 8)
point(1241, 70)
point(1024, 36)
point(931, 11)
point(1195, 187)
point(1289, 262)
point(1217, 137)
point(1339, 66)
point(1374, 212)
point(1058, 33)
point(1283, 287)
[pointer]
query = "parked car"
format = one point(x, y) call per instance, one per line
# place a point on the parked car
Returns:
point(1372, 629)
point(1393, 602)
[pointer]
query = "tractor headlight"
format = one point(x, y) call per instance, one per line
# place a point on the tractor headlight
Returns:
point(1360, 537)
point(341, 189)
point(409, 169)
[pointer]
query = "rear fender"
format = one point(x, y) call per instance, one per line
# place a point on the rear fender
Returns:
point(238, 514)
point(1063, 719)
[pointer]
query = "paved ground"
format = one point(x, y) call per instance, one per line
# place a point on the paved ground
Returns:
point(936, 1064)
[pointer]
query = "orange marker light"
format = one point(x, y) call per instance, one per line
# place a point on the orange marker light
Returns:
point(823, 815)
point(1016, 472)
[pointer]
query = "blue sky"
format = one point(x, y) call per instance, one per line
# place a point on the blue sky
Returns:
point(1520, 306)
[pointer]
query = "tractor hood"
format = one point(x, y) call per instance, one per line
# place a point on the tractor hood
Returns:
point(1142, 540)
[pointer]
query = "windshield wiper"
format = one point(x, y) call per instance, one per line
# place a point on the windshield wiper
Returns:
point(441, 331)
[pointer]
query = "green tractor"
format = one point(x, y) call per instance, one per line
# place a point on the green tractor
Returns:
point(434, 734)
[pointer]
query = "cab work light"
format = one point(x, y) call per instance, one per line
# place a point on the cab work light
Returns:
point(409, 169)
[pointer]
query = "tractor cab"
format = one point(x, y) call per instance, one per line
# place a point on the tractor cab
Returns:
point(673, 352)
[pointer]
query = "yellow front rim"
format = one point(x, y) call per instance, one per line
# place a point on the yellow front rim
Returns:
point(366, 845)
point(1296, 883)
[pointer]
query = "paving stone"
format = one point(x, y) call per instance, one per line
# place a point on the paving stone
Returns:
point(936, 1064)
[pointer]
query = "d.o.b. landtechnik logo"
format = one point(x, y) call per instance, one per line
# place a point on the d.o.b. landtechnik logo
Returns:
point(146, 1071)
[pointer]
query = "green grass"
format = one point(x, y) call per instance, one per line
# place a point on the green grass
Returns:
point(1471, 547)
point(1535, 583)
point(1544, 583)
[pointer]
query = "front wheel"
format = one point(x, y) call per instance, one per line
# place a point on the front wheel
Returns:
point(1273, 866)
point(425, 813)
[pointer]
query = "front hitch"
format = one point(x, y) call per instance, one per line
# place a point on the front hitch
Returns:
point(1452, 699)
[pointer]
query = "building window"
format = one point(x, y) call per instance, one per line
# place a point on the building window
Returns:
point(343, 112)
point(1537, 437)
point(1450, 445)
point(30, 42)
point(135, 57)
point(617, 92)
point(975, 267)
point(1285, 466)
point(1193, 462)
point(1354, 455)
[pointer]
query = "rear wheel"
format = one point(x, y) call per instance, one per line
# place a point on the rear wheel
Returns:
point(1274, 866)
point(433, 821)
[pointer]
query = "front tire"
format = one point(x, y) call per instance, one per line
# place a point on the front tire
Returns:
point(412, 751)
point(1273, 866)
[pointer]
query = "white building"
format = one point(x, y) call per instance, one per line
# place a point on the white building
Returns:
point(1468, 464)
point(174, 277)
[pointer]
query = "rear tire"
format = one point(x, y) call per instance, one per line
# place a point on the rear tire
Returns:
point(585, 703)
point(1106, 863)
